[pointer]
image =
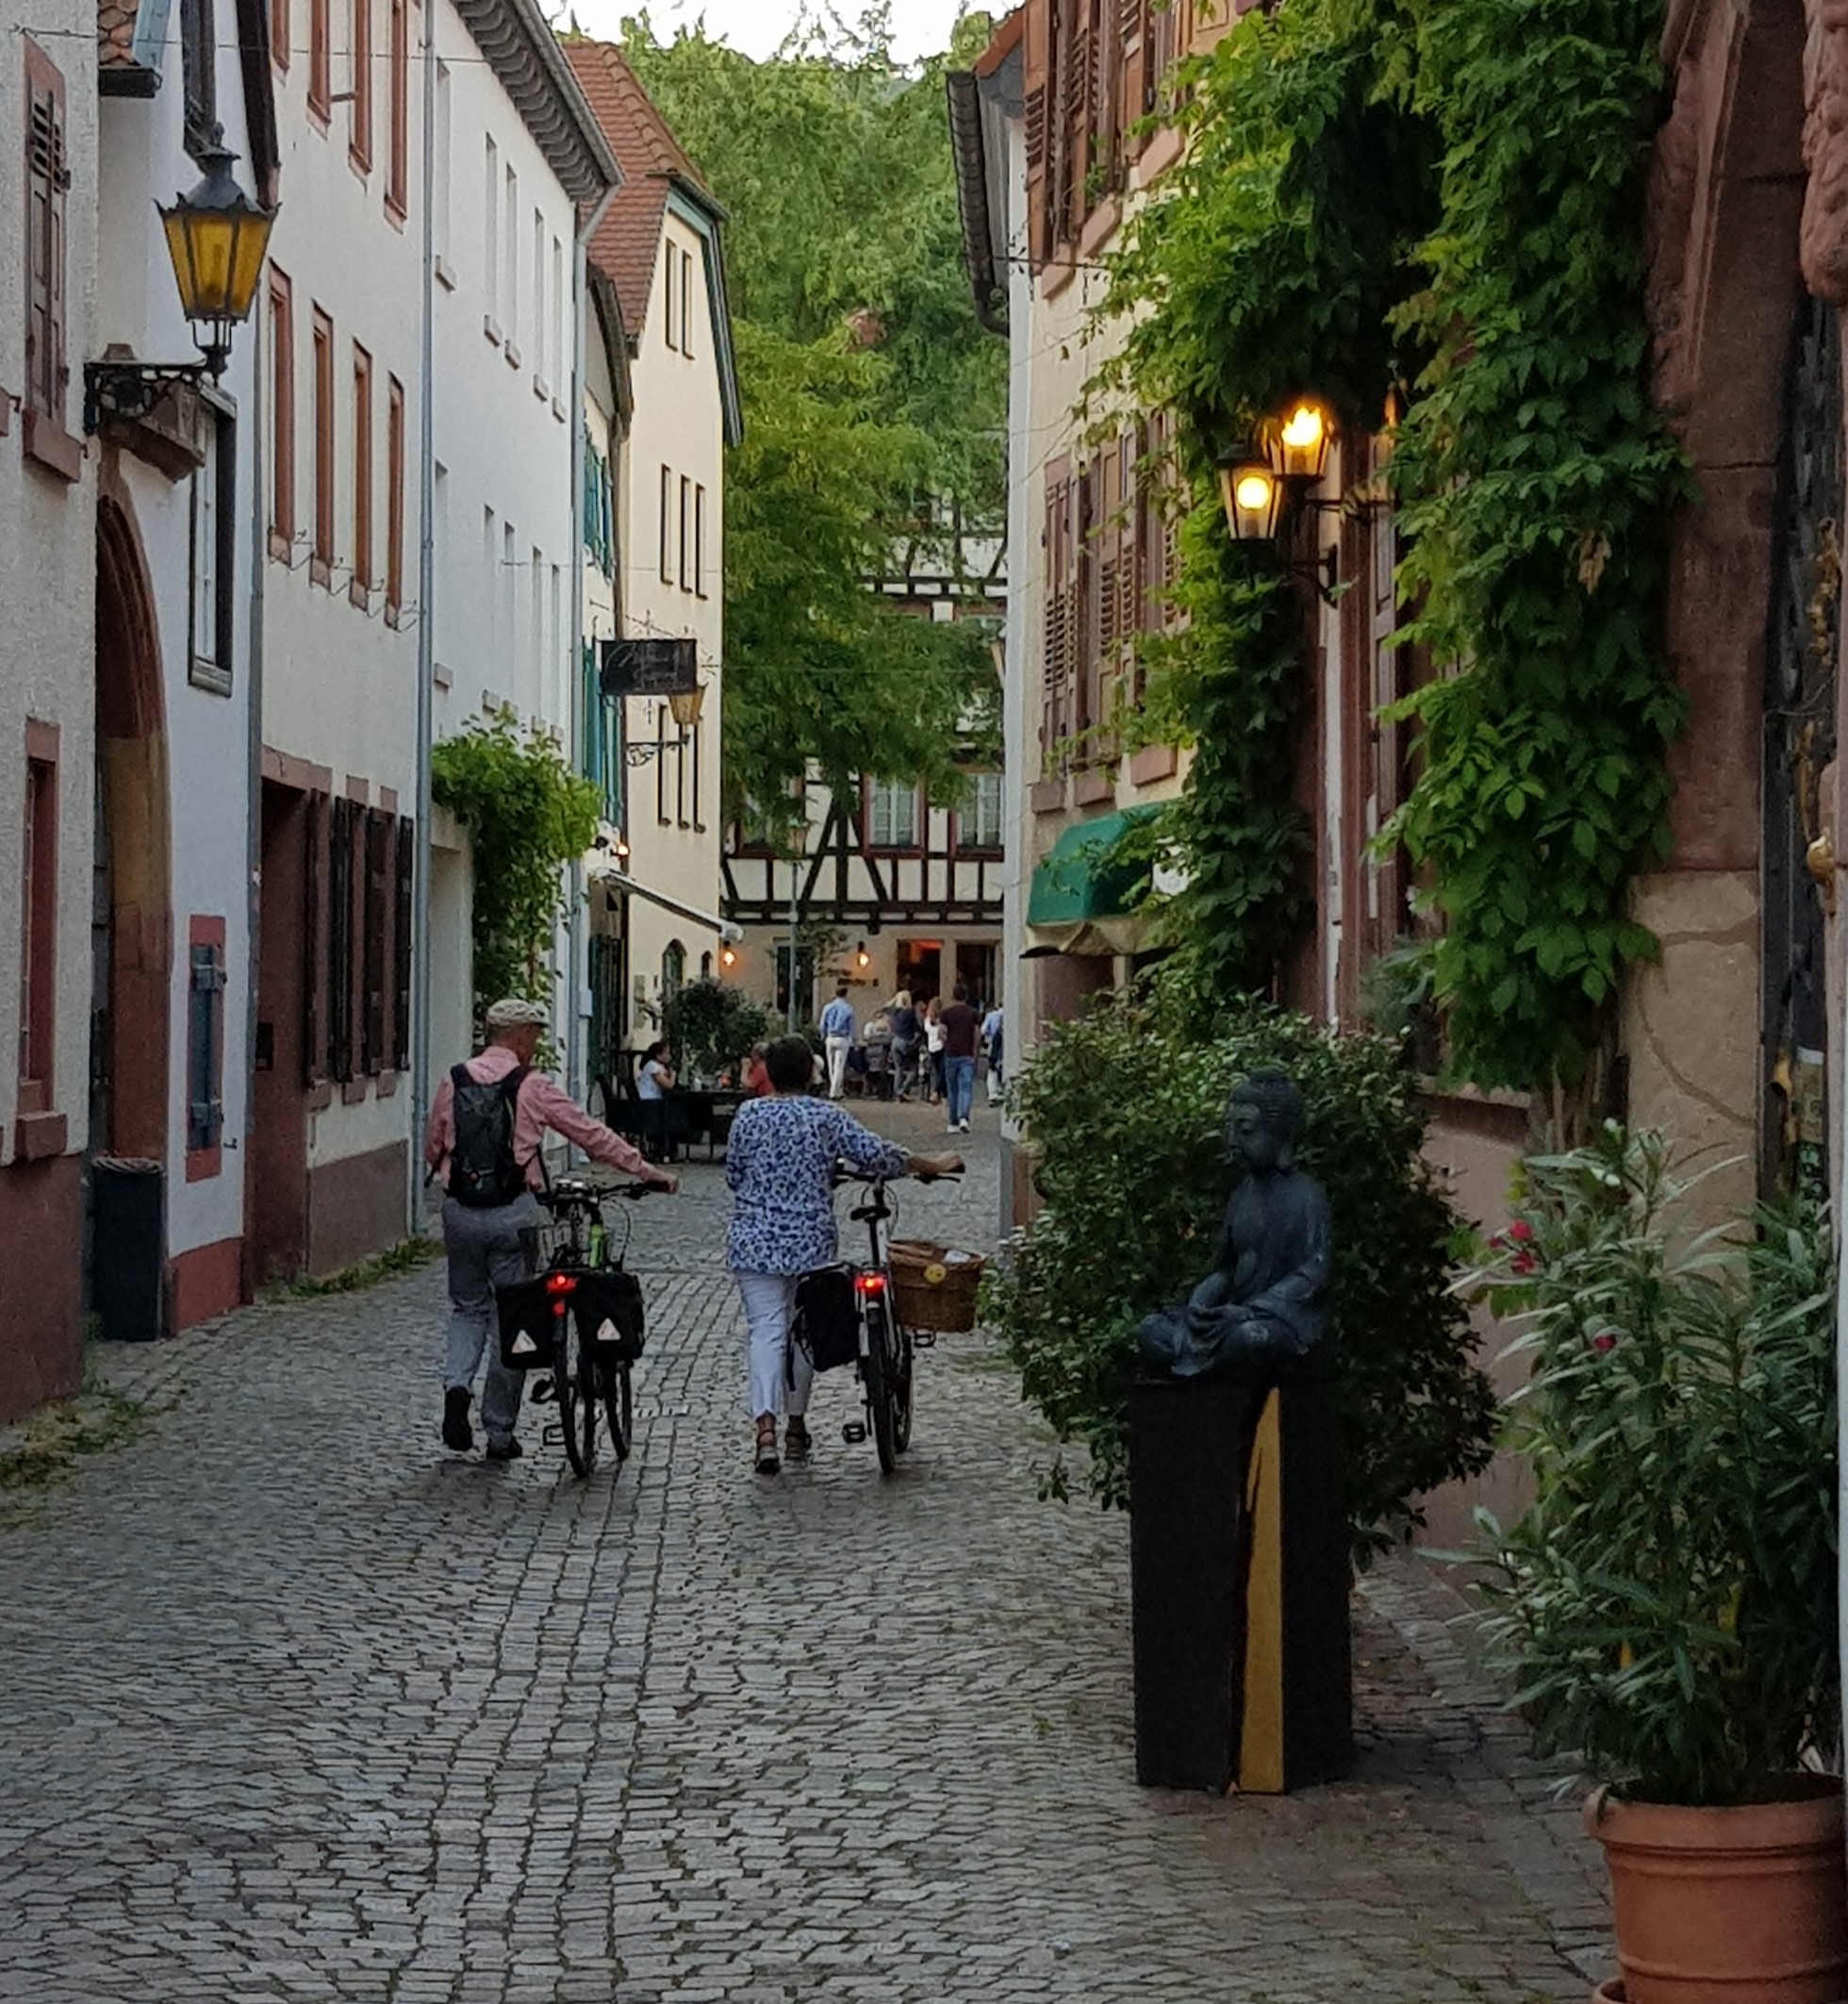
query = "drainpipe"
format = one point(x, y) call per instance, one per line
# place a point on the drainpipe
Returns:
point(426, 652)
point(576, 1081)
point(260, 563)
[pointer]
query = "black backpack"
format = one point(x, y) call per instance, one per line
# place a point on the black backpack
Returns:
point(482, 1171)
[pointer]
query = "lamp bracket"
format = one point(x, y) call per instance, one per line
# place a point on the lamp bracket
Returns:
point(127, 392)
point(1323, 571)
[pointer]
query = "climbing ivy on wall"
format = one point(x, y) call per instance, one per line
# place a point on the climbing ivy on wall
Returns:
point(1443, 197)
point(526, 815)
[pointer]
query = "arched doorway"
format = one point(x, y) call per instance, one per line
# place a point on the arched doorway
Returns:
point(132, 927)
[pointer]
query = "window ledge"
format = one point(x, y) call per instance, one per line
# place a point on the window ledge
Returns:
point(320, 572)
point(6, 410)
point(212, 676)
point(442, 675)
point(1151, 763)
point(395, 212)
point(36, 1137)
point(203, 1164)
point(1048, 796)
point(282, 548)
point(1095, 784)
point(359, 596)
point(52, 446)
point(394, 615)
point(353, 1092)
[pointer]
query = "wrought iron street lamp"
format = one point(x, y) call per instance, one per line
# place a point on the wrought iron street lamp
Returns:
point(1253, 499)
point(1297, 445)
point(217, 237)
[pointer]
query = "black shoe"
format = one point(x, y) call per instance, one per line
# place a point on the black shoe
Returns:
point(503, 1451)
point(457, 1432)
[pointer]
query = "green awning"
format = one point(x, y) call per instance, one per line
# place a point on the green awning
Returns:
point(1082, 894)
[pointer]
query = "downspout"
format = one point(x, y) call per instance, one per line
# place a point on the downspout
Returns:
point(576, 1084)
point(421, 847)
point(259, 555)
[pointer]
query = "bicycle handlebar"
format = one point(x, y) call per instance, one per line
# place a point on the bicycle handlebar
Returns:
point(578, 1190)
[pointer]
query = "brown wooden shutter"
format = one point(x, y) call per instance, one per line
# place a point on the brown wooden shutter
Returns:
point(401, 944)
point(1132, 74)
point(314, 936)
point(47, 184)
point(379, 827)
point(340, 937)
point(1089, 591)
point(1038, 121)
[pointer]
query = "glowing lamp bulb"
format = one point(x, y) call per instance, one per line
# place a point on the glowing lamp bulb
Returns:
point(1253, 493)
point(1302, 432)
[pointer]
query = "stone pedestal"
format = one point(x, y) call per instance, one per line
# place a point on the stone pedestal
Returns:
point(1240, 1580)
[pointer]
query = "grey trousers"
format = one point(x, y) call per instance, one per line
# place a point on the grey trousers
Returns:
point(485, 1253)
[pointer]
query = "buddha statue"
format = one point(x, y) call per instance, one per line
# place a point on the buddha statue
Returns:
point(1262, 1309)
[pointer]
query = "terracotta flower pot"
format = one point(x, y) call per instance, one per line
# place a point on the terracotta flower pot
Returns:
point(1728, 1906)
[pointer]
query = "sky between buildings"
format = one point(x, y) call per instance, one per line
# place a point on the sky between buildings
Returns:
point(757, 26)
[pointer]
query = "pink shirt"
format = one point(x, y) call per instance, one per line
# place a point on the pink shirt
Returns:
point(542, 1104)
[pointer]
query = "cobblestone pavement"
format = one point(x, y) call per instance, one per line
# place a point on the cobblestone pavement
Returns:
point(300, 1707)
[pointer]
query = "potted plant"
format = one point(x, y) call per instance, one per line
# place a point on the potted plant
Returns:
point(1667, 1604)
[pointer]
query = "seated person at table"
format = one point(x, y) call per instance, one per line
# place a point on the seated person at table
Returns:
point(756, 1078)
point(656, 1079)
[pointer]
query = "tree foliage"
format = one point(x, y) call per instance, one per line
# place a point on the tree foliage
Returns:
point(874, 405)
point(1135, 1183)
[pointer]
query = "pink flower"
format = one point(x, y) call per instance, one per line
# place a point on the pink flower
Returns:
point(1522, 1262)
point(1605, 1342)
point(1521, 1232)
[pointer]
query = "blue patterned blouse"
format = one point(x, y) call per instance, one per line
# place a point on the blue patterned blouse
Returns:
point(779, 1162)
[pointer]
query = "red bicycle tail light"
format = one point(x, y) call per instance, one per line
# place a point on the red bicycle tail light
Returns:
point(869, 1282)
point(556, 1283)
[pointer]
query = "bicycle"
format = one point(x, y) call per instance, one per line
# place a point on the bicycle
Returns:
point(849, 1313)
point(579, 1283)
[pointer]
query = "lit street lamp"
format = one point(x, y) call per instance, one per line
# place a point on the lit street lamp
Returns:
point(217, 237)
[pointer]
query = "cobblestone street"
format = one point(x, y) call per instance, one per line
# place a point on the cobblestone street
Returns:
point(301, 1707)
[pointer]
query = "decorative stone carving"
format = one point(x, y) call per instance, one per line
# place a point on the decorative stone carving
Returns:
point(1824, 232)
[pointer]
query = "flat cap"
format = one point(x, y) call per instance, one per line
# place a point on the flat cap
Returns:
point(513, 1010)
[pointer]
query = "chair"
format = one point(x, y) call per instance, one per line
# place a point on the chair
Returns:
point(878, 1071)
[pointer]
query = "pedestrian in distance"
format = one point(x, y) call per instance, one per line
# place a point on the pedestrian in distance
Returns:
point(907, 1041)
point(961, 1030)
point(934, 1053)
point(990, 1044)
point(837, 1039)
point(482, 1142)
point(780, 1162)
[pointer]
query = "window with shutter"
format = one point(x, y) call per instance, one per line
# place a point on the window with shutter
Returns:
point(1038, 84)
point(376, 907)
point(340, 937)
point(47, 184)
point(405, 866)
point(205, 1047)
point(314, 935)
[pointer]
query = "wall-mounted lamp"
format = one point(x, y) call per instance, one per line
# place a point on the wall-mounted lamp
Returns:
point(1253, 499)
point(862, 959)
point(728, 956)
point(1297, 445)
point(216, 238)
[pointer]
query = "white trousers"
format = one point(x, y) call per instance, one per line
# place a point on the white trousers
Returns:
point(769, 1302)
point(837, 1049)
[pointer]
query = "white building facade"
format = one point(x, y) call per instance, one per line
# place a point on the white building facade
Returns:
point(655, 908)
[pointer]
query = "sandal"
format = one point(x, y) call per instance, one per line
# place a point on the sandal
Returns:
point(796, 1438)
point(766, 1463)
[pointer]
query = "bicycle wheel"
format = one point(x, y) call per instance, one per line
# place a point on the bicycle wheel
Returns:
point(877, 1369)
point(901, 1387)
point(577, 1405)
point(618, 1408)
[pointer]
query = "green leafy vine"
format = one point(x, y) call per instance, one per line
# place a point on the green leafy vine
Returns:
point(1445, 201)
point(526, 815)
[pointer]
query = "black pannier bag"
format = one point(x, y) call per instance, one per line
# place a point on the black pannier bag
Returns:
point(827, 1322)
point(605, 1306)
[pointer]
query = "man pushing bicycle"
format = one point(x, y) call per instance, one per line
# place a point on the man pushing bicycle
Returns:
point(487, 1128)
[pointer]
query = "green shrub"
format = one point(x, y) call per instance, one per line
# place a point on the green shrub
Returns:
point(711, 1026)
point(1667, 1605)
point(1126, 1109)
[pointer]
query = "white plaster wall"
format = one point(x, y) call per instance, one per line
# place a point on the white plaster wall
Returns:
point(340, 674)
point(207, 735)
point(504, 411)
point(47, 572)
point(678, 423)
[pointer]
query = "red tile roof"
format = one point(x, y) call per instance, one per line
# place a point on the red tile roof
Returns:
point(628, 240)
point(115, 34)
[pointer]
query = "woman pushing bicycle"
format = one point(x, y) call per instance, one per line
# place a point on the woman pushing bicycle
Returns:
point(780, 1163)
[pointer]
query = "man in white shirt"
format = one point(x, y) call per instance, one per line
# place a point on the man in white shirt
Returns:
point(837, 1038)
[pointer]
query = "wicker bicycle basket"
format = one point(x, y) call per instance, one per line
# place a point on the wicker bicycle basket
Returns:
point(934, 1286)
